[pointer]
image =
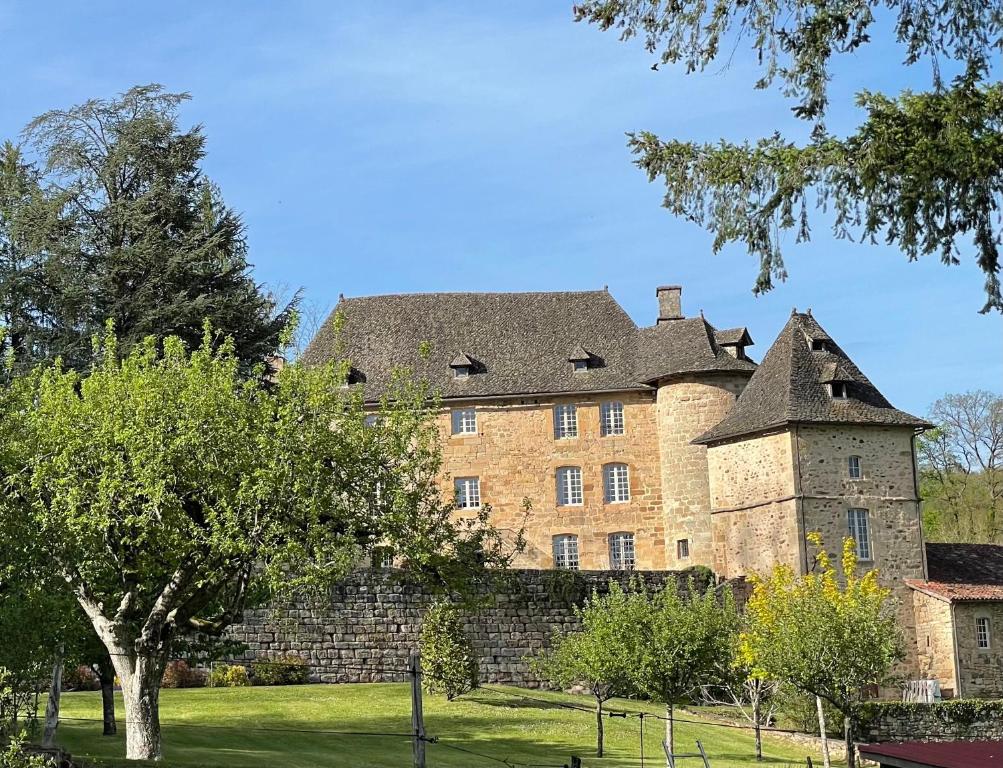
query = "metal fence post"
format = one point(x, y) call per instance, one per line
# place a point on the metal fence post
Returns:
point(417, 716)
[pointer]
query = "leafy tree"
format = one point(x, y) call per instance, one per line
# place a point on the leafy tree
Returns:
point(447, 655)
point(830, 633)
point(169, 490)
point(114, 219)
point(961, 469)
point(600, 654)
point(684, 639)
point(923, 170)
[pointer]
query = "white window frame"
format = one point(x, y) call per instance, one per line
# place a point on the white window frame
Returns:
point(859, 526)
point(570, 490)
point(382, 557)
point(463, 421)
point(461, 372)
point(580, 366)
point(838, 390)
point(983, 633)
point(565, 547)
point(565, 421)
point(468, 492)
point(853, 468)
point(611, 418)
point(616, 483)
point(622, 555)
point(682, 549)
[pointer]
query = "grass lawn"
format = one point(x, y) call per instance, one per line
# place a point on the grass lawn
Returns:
point(522, 732)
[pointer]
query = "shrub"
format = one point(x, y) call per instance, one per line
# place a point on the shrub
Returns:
point(178, 674)
point(229, 676)
point(448, 659)
point(81, 678)
point(14, 755)
point(285, 669)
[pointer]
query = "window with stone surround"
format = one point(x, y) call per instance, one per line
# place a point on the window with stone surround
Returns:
point(616, 483)
point(853, 467)
point(569, 486)
point(621, 551)
point(683, 549)
point(982, 632)
point(860, 531)
point(468, 492)
point(565, 421)
point(611, 418)
point(566, 552)
point(464, 421)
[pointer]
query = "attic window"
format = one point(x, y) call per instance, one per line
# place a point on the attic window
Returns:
point(819, 345)
point(580, 359)
point(461, 371)
point(463, 365)
point(580, 365)
point(837, 390)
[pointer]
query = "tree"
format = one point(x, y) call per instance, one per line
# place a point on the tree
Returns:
point(751, 694)
point(830, 633)
point(112, 218)
point(684, 640)
point(168, 490)
point(600, 654)
point(924, 170)
point(961, 469)
point(448, 658)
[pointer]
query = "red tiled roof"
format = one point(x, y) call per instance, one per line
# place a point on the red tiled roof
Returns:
point(939, 754)
point(960, 572)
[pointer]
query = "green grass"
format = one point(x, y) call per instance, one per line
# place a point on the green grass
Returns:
point(225, 727)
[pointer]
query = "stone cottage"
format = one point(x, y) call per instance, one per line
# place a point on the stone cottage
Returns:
point(663, 447)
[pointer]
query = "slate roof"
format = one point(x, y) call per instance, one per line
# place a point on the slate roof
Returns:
point(788, 388)
point(936, 754)
point(963, 572)
point(521, 343)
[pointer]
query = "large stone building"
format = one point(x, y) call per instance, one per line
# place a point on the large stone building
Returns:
point(663, 447)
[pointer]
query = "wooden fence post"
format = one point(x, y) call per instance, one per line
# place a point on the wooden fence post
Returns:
point(417, 716)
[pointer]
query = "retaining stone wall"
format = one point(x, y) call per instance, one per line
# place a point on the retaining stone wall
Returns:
point(955, 720)
point(374, 620)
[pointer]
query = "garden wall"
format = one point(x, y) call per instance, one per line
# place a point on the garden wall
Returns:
point(370, 624)
point(954, 720)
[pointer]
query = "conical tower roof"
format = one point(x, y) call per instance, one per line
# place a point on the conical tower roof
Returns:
point(789, 387)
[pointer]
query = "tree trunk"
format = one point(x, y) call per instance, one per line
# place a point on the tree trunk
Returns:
point(52, 705)
point(599, 728)
point(851, 752)
point(140, 679)
point(822, 733)
point(670, 736)
point(756, 715)
point(106, 674)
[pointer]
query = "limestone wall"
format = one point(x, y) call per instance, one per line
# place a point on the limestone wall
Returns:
point(373, 621)
point(516, 456)
point(981, 669)
point(686, 409)
point(935, 641)
point(958, 720)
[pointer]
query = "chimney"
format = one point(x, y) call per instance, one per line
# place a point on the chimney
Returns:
point(670, 304)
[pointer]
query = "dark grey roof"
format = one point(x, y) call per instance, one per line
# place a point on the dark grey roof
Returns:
point(733, 337)
point(520, 343)
point(965, 563)
point(788, 388)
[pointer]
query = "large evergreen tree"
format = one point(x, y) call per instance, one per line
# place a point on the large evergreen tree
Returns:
point(923, 170)
point(108, 215)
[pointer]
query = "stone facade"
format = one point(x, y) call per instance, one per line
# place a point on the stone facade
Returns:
point(515, 456)
point(367, 629)
point(935, 642)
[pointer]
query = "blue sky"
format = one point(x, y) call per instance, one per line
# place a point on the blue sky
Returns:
point(388, 147)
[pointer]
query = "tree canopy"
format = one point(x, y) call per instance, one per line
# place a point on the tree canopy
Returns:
point(923, 170)
point(105, 213)
point(830, 633)
point(169, 490)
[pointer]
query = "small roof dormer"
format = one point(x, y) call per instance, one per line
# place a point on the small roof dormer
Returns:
point(581, 359)
point(734, 341)
point(463, 365)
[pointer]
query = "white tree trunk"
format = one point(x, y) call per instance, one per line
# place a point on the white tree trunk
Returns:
point(52, 705)
point(822, 733)
point(140, 679)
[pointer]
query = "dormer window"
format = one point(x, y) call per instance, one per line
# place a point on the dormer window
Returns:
point(837, 390)
point(463, 365)
point(580, 359)
point(819, 345)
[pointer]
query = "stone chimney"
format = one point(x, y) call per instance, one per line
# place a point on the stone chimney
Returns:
point(670, 303)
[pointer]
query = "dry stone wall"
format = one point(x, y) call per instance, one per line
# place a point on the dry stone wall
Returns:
point(373, 621)
point(956, 720)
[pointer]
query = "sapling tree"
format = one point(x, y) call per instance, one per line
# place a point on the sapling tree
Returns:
point(830, 633)
point(684, 640)
point(600, 654)
point(169, 490)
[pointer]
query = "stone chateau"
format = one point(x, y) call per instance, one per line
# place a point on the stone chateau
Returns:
point(658, 448)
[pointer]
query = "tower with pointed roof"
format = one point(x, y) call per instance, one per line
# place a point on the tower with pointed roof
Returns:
point(811, 445)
